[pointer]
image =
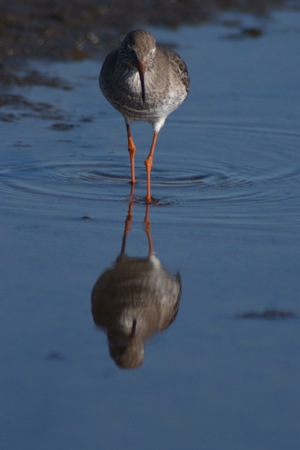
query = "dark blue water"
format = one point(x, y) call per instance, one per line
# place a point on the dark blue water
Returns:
point(226, 182)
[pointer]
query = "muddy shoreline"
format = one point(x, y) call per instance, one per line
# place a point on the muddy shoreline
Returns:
point(78, 29)
point(62, 30)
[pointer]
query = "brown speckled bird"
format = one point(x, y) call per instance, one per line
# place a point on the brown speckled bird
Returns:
point(144, 81)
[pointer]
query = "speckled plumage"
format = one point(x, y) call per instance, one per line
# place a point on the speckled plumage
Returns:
point(144, 81)
point(166, 80)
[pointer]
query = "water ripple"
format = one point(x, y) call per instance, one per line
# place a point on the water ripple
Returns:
point(234, 164)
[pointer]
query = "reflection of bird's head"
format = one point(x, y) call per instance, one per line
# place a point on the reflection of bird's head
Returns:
point(130, 357)
point(127, 351)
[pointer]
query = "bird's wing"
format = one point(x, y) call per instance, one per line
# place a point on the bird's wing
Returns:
point(178, 66)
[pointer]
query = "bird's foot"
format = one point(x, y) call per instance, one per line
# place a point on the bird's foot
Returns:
point(150, 200)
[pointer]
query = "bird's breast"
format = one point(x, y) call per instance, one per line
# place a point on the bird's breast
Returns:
point(132, 84)
point(124, 92)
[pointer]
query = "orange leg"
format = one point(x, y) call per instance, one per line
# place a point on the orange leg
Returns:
point(148, 164)
point(131, 193)
point(131, 149)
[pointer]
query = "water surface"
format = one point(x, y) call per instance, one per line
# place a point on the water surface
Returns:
point(226, 182)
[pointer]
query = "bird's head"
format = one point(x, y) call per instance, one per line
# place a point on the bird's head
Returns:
point(127, 350)
point(138, 51)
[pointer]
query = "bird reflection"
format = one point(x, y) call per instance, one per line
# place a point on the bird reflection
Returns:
point(134, 299)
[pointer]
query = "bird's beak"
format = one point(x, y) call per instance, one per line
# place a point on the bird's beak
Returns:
point(141, 68)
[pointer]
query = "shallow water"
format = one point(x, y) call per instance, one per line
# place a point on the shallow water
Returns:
point(226, 178)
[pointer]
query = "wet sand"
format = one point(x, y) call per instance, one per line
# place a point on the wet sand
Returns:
point(77, 29)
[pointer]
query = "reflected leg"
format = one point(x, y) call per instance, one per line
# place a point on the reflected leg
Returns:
point(127, 226)
point(147, 229)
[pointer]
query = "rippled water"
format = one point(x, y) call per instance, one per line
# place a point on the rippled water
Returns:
point(226, 182)
point(250, 166)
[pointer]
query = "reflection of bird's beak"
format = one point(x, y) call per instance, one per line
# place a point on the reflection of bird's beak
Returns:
point(132, 333)
point(141, 68)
